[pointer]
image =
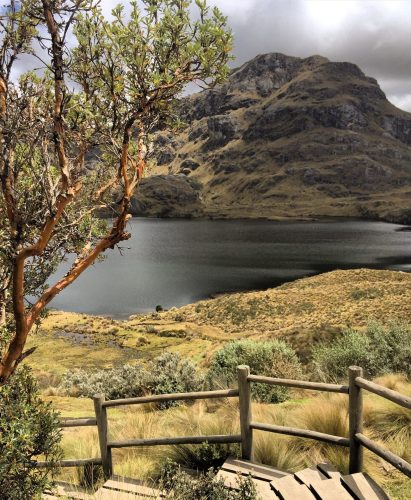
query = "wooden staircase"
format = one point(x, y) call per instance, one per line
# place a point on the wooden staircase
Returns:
point(322, 482)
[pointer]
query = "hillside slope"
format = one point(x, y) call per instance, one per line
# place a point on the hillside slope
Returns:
point(285, 137)
point(303, 312)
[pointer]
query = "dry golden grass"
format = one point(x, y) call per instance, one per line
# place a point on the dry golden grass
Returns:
point(385, 422)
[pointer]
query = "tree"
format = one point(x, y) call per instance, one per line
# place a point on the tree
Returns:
point(100, 97)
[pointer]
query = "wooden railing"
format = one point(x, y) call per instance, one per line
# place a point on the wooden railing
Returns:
point(356, 441)
point(79, 462)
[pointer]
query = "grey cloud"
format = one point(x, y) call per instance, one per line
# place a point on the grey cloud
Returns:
point(375, 37)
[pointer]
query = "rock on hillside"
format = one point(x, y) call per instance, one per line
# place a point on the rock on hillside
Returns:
point(289, 137)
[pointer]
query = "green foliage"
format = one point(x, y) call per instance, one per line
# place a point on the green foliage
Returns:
point(270, 358)
point(378, 350)
point(165, 374)
point(29, 429)
point(180, 485)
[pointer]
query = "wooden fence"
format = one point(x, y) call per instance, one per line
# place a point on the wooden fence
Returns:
point(356, 441)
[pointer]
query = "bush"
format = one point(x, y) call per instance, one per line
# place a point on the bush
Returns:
point(165, 374)
point(171, 373)
point(273, 359)
point(123, 382)
point(378, 350)
point(181, 486)
point(29, 428)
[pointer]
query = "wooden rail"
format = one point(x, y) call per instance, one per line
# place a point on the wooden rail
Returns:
point(235, 438)
point(356, 440)
point(301, 384)
point(182, 396)
point(304, 433)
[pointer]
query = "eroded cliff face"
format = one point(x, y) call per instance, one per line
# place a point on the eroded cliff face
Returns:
point(286, 137)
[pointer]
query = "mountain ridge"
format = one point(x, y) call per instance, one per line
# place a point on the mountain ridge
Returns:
point(284, 137)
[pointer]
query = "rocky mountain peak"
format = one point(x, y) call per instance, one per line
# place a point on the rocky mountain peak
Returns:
point(291, 137)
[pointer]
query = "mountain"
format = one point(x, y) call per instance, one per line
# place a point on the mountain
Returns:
point(285, 137)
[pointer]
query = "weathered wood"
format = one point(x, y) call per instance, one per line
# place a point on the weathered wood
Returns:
point(330, 489)
point(293, 431)
point(77, 422)
point(398, 462)
point(396, 397)
point(310, 475)
point(181, 396)
point(71, 491)
point(259, 471)
point(355, 420)
point(301, 384)
point(329, 471)
point(102, 425)
point(79, 462)
point(234, 438)
point(288, 488)
point(231, 481)
point(362, 487)
point(245, 412)
point(117, 483)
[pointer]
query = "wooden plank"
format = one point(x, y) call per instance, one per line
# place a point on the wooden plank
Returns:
point(175, 440)
point(362, 487)
point(245, 412)
point(103, 494)
point(394, 396)
point(330, 489)
point(302, 384)
point(131, 486)
point(259, 471)
point(102, 426)
point(77, 422)
point(73, 463)
point(71, 491)
point(355, 413)
point(288, 488)
point(178, 396)
point(329, 471)
point(294, 431)
point(398, 462)
point(231, 481)
point(309, 475)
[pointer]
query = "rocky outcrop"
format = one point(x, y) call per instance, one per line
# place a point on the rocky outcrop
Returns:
point(286, 137)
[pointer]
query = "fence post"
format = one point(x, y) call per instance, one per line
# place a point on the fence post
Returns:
point(101, 417)
point(355, 420)
point(245, 412)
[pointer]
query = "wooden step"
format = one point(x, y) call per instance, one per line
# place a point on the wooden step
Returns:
point(288, 488)
point(131, 486)
point(259, 471)
point(231, 481)
point(330, 489)
point(309, 475)
point(329, 471)
point(362, 487)
point(70, 491)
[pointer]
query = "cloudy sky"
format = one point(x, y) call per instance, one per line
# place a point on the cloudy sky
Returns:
point(375, 34)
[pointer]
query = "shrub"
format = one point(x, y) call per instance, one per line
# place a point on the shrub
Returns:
point(29, 428)
point(123, 382)
point(171, 373)
point(272, 358)
point(165, 374)
point(180, 486)
point(380, 349)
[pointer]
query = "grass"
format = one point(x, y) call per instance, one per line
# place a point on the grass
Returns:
point(324, 413)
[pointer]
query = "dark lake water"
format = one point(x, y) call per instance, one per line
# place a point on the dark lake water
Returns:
point(176, 262)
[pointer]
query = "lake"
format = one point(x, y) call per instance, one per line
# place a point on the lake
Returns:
point(176, 262)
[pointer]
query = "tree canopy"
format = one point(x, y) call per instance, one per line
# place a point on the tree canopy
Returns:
point(75, 133)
